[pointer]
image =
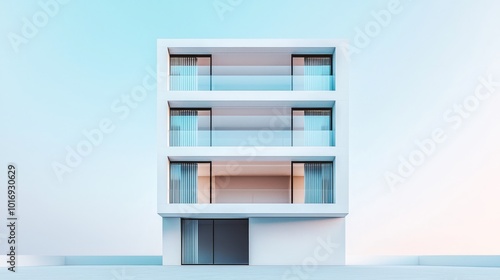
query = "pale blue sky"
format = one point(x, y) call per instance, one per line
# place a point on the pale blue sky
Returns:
point(90, 53)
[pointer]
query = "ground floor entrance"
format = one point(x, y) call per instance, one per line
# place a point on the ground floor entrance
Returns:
point(214, 241)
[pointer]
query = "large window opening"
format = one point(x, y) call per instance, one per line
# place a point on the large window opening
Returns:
point(313, 182)
point(252, 182)
point(190, 182)
point(190, 72)
point(313, 72)
point(190, 127)
point(313, 127)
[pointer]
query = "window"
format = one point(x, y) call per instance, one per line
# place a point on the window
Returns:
point(313, 72)
point(197, 241)
point(312, 182)
point(190, 127)
point(222, 241)
point(312, 127)
point(190, 182)
point(190, 72)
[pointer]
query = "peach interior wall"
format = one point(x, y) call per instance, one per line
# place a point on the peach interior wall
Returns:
point(203, 189)
point(251, 189)
point(298, 189)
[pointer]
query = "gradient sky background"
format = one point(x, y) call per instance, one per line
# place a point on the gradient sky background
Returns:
point(90, 53)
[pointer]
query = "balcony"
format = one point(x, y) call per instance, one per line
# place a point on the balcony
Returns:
point(222, 182)
point(252, 72)
point(234, 127)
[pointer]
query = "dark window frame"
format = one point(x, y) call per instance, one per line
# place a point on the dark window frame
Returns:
point(191, 55)
point(170, 177)
point(331, 56)
point(332, 117)
point(332, 162)
point(188, 108)
point(213, 238)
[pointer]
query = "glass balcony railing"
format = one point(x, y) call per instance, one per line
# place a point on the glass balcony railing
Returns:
point(313, 138)
point(252, 83)
point(263, 137)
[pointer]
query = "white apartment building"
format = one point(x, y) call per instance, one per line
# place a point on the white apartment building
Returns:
point(252, 151)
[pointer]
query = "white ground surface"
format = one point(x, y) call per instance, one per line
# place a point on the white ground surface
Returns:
point(252, 272)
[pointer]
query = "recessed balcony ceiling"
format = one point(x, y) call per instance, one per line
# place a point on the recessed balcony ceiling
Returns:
point(254, 168)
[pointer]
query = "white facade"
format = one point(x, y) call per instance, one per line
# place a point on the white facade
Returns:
point(254, 153)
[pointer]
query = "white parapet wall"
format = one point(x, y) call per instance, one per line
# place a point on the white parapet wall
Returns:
point(171, 249)
point(459, 260)
point(297, 241)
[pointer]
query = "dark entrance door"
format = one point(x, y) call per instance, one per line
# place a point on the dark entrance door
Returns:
point(221, 241)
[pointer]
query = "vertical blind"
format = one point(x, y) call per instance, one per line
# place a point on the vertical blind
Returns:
point(317, 71)
point(317, 127)
point(184, 182)
point(184, 73)
point(184, 127)
point(190, 242)
point(318, 182)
